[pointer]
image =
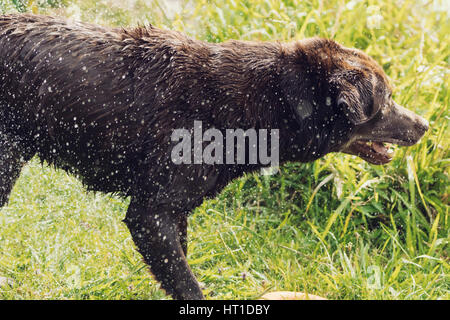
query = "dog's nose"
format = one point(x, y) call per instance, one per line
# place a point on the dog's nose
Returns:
point(422, 124)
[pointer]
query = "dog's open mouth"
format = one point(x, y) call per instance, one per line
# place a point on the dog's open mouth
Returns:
point(373, 152)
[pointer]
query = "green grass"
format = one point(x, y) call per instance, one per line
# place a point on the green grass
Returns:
point(338, 227)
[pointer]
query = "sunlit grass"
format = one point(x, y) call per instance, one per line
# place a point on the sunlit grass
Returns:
point(339, 227)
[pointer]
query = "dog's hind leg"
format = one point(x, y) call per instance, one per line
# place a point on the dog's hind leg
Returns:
point(12, 158)
point(157, 237)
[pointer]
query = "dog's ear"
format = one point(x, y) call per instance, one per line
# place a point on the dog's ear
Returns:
point(353, 109)
point(355, 95)
point(357, 103)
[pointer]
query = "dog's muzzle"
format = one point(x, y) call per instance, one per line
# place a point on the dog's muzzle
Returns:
point(395, 125)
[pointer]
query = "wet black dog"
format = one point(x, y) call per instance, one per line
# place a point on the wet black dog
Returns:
point(103, 103)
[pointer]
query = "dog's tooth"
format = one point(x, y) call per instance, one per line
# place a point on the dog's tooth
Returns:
point(390, 148)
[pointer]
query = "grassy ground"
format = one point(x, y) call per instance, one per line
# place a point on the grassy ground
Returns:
point(339, 227)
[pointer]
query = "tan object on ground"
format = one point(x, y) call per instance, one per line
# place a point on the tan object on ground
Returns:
point(290, 295)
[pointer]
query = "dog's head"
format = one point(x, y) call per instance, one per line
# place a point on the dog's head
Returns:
point(342, 101)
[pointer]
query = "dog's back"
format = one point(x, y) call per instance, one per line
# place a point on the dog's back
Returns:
point(65, 90)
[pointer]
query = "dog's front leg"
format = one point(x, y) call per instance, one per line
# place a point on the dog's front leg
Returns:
point(157, 237)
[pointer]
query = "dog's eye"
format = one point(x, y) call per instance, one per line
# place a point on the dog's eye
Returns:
point(389, 96)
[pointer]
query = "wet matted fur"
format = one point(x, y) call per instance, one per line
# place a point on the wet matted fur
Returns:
point(102, 103)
